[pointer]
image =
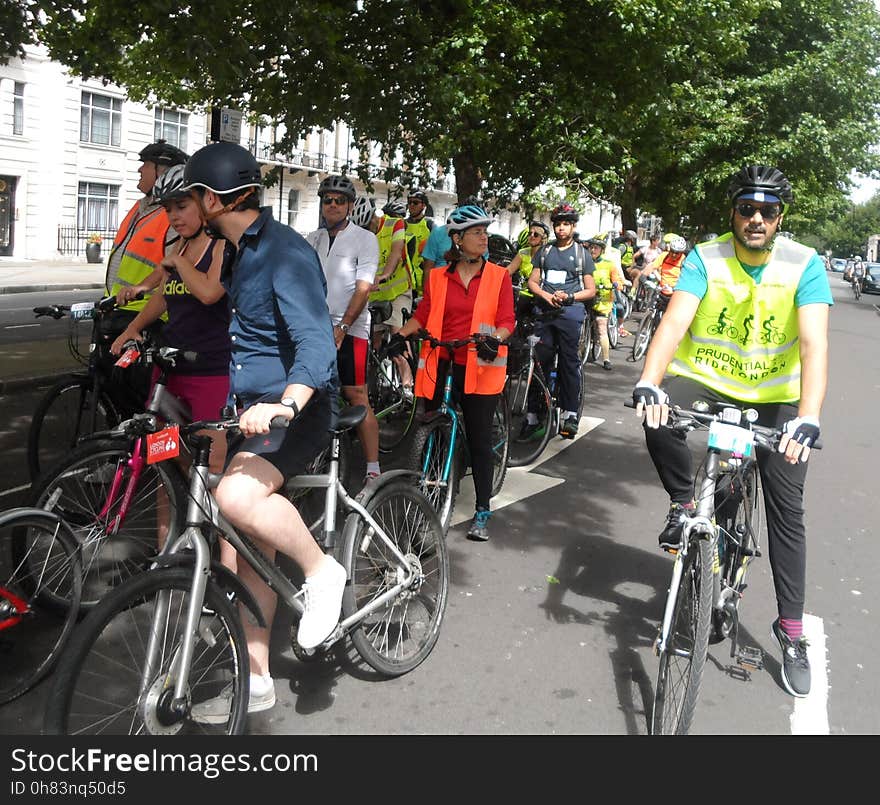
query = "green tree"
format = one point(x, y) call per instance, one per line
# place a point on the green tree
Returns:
point(648, 103)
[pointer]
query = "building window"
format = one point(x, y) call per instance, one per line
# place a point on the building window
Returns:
point(100, 119)
point(292, 207)
point(172, 126)
point(97, 206)
point(18, 108)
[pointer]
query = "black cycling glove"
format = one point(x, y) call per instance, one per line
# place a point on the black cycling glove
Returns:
point(396, 345)
point(649, 394)
point(487, 349)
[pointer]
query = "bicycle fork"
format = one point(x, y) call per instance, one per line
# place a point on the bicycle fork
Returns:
point(173, 707)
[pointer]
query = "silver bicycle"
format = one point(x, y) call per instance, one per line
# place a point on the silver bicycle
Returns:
point(171, 637)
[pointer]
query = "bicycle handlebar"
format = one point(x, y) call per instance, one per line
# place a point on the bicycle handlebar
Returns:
point(686, 419)
point(104, 305)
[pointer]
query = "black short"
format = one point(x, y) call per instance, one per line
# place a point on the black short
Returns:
point(291, 450)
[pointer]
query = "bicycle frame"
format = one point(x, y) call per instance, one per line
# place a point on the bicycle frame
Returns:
point(203, 510)
point(446, 409)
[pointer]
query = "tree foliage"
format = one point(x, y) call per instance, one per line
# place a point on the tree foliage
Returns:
point(651, 104)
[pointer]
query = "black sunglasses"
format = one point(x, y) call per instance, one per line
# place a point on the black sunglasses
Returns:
point(337, 200)
point(769, 212)
point(536, 234)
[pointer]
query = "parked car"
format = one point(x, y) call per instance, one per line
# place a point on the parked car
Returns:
point(871, 282)
point(838, 264)
point(501, 250)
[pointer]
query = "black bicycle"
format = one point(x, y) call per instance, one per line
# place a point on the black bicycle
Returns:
point(97, 398)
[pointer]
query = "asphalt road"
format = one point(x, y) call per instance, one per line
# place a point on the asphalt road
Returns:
point(550, 624)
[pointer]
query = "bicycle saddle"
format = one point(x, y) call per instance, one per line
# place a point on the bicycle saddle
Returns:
point(349, 418)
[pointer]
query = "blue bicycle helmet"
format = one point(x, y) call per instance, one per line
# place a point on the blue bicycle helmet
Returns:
point(467, 216)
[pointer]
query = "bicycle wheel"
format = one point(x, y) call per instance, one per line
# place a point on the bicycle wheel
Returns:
point(500, 443)
point(117, 534)
point(399, 634)
point(682, 661)
point(585, 343)
point(643, 337)
point(524, 450)
point(105, 685)
point(739, 512)
point(393, 407)
point(429, 456)
point(40, 589)
point(613, 330)
point(62, 416)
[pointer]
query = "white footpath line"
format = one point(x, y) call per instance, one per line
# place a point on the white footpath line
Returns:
point(810, 716)
point(520, 482)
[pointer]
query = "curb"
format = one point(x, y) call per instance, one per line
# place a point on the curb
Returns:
point(79, 286)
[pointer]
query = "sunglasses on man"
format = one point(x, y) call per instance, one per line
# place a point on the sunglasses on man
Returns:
point(337, 200)
point(769, 212)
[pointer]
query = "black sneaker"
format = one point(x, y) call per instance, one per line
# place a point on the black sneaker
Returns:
point(606, 365)
point(670, 536)
point(529, 431)
point(795, 664)
point(569, 428)
point(479, 530)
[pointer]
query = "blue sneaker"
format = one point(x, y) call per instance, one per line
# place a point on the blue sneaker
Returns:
point(479, 530)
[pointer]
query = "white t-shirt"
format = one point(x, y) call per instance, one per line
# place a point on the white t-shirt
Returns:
point(353, 257)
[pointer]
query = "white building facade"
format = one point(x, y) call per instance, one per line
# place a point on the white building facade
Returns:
point(69, 161)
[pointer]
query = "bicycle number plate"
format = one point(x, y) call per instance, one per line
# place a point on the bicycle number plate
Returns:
point(128, 357)
point(163, 445)
point(82, 310)
point(723, 436)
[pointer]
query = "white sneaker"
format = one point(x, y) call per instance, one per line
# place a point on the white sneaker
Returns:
point(216, 710)
point(322, 597)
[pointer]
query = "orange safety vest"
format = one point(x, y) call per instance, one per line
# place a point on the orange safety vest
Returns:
point(480, 377)
point(143, 244)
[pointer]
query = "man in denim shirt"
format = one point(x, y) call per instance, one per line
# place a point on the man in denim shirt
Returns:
point(283, 365)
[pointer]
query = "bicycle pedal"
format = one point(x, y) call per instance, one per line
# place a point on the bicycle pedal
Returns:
point(750, 657)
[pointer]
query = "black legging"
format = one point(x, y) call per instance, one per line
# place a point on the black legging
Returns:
point(478, 410)
point(783, 486)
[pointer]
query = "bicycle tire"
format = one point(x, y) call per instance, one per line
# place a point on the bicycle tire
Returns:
point(519, 391)
point(739, 512)
point(430, 447)
point(394, 412)
point(77, 489)
point(500, 443)
point(34, 629)
point(643, 337)
point(400, 635)
point(682, 662)
point(97, 685)
point(62, 417)
point(613, 331)
point(585, 341)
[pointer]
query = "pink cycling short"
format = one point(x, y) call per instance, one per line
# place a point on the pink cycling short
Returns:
point(204, 394)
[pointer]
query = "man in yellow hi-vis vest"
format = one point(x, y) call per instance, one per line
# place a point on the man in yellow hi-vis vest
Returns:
point(748, 325)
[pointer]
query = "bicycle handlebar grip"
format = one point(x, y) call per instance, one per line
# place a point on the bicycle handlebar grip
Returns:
point(279, 422)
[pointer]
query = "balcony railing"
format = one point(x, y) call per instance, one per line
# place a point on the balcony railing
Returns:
point(73, 240)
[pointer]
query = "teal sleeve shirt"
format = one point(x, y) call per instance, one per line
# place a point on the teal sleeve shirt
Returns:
point(812, 289)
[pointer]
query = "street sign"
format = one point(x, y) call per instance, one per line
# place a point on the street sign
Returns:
point(225, 125)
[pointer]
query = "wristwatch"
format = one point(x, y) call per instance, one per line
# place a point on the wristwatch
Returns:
point(291, 404)
point(344, 327)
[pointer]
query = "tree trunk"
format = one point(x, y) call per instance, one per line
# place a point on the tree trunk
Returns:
point(468, 181)
point(628, 202)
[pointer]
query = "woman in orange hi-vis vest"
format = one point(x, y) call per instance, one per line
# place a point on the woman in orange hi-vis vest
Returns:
point(468, 296)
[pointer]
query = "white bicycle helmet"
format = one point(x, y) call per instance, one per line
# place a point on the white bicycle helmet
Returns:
point(363, 211)
point(169, 185)
point(677, 244)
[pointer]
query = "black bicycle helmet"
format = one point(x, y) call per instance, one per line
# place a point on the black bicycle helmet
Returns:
point(163, 153)
point(222, 168)
point(169, 185)
point(395, 209)
point(564, 212)
point(338, 184)
point(542, 226)
point(760, 179)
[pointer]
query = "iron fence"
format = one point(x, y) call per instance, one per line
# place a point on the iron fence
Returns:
point(73, 240)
